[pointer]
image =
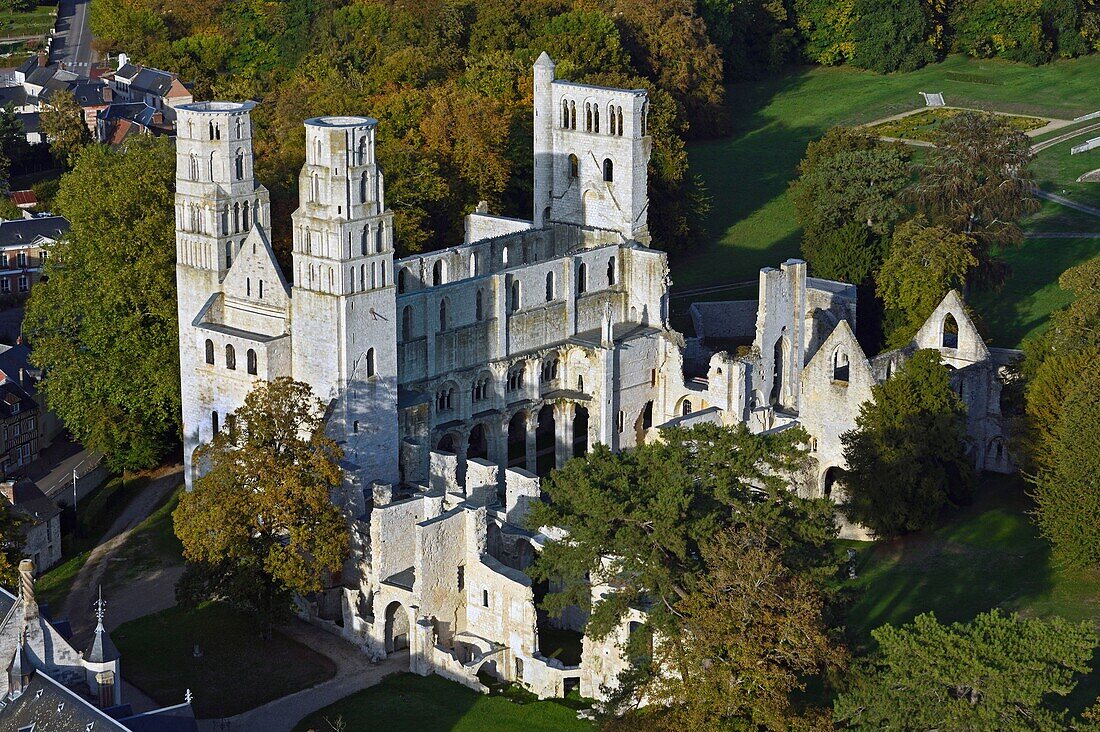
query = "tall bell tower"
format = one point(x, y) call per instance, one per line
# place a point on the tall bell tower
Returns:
point(218, 202)
point(343, 305)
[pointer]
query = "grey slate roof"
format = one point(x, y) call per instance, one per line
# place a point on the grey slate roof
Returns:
point(47, 705)
point(153, 81)
point(129, 71)
point(21, 232)
point(16, 95)
point(32, 502)
point(102, 649)
point(135, 111)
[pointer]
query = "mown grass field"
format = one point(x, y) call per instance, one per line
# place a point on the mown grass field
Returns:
point(752, 223)
point(408, 703)
point(237, 671)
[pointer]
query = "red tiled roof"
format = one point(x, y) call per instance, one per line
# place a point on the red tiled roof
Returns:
point(23, 198)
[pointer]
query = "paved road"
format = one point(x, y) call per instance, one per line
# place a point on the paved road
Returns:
point(72, 42)
point(1039, 146)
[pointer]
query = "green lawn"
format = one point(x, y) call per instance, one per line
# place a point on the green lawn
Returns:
point(924, 124)
point(409, 703)
point(982, 556)
point(752, 223)
point(237, 671)
point(30, 23)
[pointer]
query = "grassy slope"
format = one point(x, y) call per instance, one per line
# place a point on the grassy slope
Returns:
point(238, 671)
point(752, 223)
point(983, 556)
point(411, 703)
point(152, 545)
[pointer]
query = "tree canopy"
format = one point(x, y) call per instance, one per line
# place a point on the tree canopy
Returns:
point(103, 322)
point(975, 181)
point(906, 457)
point(751, 634)
point(260, 525)
point(848, 179)
point(996, 672)
point(924, 264)
point(12, 540)
point(639, 518)
point(62, 121)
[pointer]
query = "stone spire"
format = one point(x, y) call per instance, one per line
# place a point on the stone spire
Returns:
point(102, 649)
point(20, 669)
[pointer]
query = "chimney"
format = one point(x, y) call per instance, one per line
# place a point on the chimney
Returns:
point(108, 93)
point(41, 59)
point(7, 489)
point(123, 59)
point(26, 583)
point(158, 117)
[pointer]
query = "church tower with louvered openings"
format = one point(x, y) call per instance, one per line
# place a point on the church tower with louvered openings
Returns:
point(344, 298)
point(219, 206)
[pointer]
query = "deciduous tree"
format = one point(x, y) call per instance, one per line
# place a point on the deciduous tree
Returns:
point(906, 456)
point(749, 636)
point(924, 264)
point(847, 177)
point(103, 322)
point(12, 540)
point(63, 122)
point(975, 181)
point(996, 672)
point(260, 523)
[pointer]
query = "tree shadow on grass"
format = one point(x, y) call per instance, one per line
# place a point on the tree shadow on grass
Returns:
point(984, 556)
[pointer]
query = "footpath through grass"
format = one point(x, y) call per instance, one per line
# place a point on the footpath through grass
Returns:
point(982, 556)
point(410, 703)
point(95, 514)
point(238, 670)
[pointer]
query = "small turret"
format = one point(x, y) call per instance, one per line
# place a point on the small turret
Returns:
point(20, 669)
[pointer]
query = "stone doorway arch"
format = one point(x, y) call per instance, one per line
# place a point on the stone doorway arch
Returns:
point(397, 627)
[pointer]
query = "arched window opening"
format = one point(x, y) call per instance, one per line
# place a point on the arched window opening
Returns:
point(380, 237)
point(685, 408)
point(362, 154)
point(236, 217)
point(228, 254)
point(211, 123)
point(261, 289)
point(370, 362)
point(251, 358)
point(645, 118)
point(406, 323)
point(355, 427)
point(587, 117)
point(479, 307)
point(549, 370)
point(315, 188)
point(248, 287)
point(238, 165)
point(240, 130)
point(246, 219)
point(193, 166)
point(549, 286)
point(647, 415)
point(611, 120)
point(580, 383)
point(582, 278)
point(403, 280)
point(574, 166)
point(504, 256)
point(595, 118)
point(317, 150)
point(363, 188)
point(840, 366)
point(444, 399)
point(608, 170)
point(210, 351)
point(564, 113)
point(572, 115)
point(950, 332)
point(437, 272)
point(214, 426)
point(515, 296)
point(610, 271)
point(442, 316)
point(619, 121)
point(480, 388)
point(515, 378)
point(230, 357)
point(363, 238)
point(473, 264)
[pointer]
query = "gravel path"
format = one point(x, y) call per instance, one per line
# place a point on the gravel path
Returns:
point(1063, 201)
point(132, 603)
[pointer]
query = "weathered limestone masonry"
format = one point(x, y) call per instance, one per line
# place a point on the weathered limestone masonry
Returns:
point(455, 378)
